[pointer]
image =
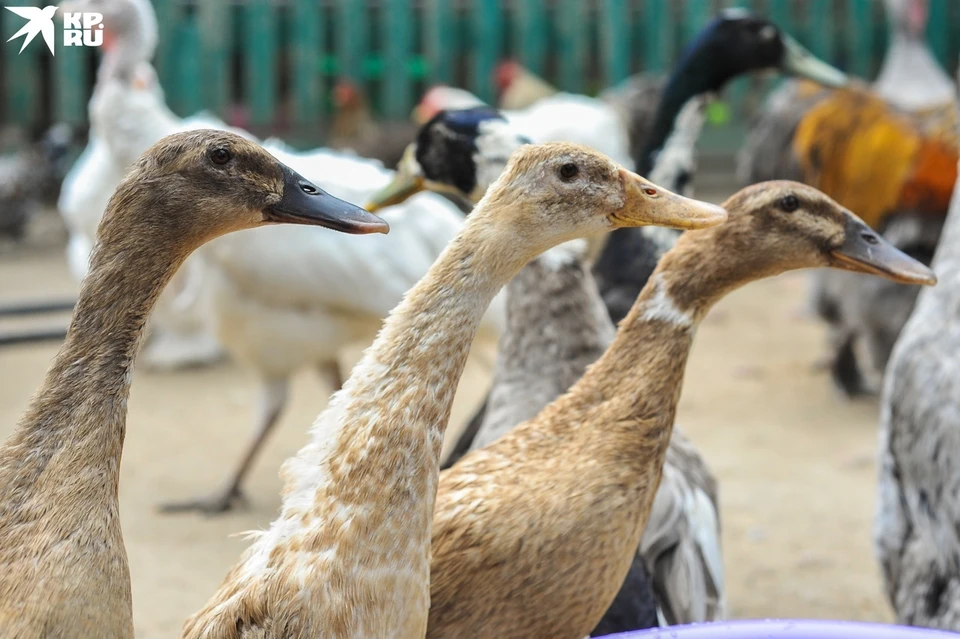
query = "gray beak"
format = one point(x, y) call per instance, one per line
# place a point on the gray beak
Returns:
point(865, 251)
point(305, 203)
point(800, 62)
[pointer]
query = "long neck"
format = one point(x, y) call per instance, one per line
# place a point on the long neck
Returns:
point(378, 442)
point(911, 78)
point(74, 428)
point(638, 380)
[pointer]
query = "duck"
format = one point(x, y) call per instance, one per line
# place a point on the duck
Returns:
point(349, 554)
point(280, 302)
point(899, 132)
point(63, 566)
point(29, 176)
point(735, 42)
point(915, 522)
point(128, 114)
point(557, 326)
point(354, 127)
point(534, 534)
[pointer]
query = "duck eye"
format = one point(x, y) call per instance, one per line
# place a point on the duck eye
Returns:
point(569, 171)
point(789, 203)
point(220, 156)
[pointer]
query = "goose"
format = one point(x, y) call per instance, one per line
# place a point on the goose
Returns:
point(534, 534)
point(915, 527)
point(349, 554)
point(63, 567)
point(888, 151)
point(557, 325)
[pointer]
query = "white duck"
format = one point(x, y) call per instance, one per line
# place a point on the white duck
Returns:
point(562, 117)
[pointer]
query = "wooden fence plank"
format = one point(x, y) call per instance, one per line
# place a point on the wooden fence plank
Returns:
point(860, 12)
point(439, 39)
point(22, 68)
point(70, 92)
point(216, 35)
point(531, 34)
point(397, 35)
point(260, 60)
point(572, 32)
point(306, 61)
point(820, 29)
point(657, 30)
point(168, 17)
point(487, 43)
point(351, 38)
point(614, 41)
point(938, 31)
point(189, 72)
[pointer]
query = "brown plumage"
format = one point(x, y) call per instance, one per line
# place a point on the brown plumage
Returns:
point(349, 555)
point(63, 567)
point(533, 535)
point(354, 127)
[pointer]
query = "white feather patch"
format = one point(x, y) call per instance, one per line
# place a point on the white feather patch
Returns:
point(662, 307)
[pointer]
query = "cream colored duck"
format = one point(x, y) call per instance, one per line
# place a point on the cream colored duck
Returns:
point(63, 567)
point(533, 535)
point(349, 555)
point(557, 326)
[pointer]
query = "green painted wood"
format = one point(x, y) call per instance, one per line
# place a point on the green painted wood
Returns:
point(168, 17)
point(657, 28)
point(397, 35)
point(306, 59)
point(572, 40)
point(189, 73)
point(531, 34)
point(351, 38)
point(22, 69)
point(440, 41)
point(821, 29)
point(215, 39)
point(696, 14)
point(487, 34)
point(938, 31)
point(614, 41)
point(736, 96)
point(860, 39)
point(70, 93)
point(260, 60)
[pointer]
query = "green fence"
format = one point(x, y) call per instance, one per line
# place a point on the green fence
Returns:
point(276, 60)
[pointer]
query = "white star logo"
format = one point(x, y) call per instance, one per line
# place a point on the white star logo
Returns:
point(40, 21)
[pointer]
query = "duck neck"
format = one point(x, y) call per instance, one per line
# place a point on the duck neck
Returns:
point(639, 378)
point(75, 425)
point(911, 78)
point(379, 440)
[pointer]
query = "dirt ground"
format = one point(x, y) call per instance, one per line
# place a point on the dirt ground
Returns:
point(795, 462)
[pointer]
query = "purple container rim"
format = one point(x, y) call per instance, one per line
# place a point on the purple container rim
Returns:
point(787, 629)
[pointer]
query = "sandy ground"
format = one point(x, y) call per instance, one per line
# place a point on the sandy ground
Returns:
point(795, 463)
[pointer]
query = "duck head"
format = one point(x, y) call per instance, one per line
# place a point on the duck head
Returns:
point(457, 152)
point(559, 191)
point(202, 184)
point(784, 225)
point(738, 42)
point(440, 97)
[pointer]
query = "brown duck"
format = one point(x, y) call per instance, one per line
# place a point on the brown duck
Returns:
point(63, 566)
point(534, 534)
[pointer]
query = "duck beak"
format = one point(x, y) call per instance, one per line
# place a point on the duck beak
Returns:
point(305, 203)
point(400, 189)
point(648, 204)
point(800, 62)
point(865, 251)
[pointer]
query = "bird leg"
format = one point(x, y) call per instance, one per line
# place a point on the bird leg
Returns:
point(273, 398)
